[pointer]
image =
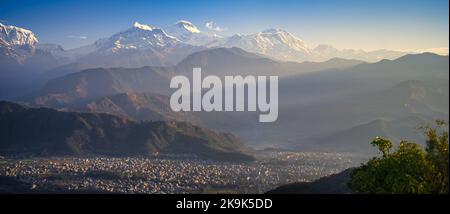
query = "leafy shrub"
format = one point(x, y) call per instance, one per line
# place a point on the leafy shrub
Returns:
point(409, 169)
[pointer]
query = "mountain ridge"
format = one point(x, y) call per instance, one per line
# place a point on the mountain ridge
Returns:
point(52, 132)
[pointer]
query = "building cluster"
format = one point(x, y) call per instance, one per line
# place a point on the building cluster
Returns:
point(172, 173)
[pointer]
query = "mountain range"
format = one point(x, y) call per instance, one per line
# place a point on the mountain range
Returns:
point(95, 83)
point(27, 64)
point(334, 105)
point(330, 106)
point(146, 45)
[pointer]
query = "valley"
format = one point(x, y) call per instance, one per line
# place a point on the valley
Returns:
point(170, 173)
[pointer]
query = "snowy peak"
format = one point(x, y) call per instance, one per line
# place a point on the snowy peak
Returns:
point(140, 36)
point(13, 35)
point(20, 47)
point(16, 44)
point(142, 26)
point(188, 33)
point(188, 26)
point(284, 38)
point(276, 43)
point(183, 30)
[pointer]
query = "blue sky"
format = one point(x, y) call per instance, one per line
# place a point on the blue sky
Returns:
point(363, 24)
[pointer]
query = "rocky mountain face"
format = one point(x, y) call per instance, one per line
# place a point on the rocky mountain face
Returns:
point(16, 37)
point(21, 46)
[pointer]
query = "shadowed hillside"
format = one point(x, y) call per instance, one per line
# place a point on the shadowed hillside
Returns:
point(47, 131)
point(137, 106)
point(333, 184)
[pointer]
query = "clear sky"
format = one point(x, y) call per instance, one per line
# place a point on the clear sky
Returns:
point(355, 24)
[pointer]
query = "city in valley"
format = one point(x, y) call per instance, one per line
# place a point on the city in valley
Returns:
point(172, 173)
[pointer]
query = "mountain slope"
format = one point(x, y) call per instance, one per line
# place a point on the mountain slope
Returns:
point(96, 83)
point(188, 33)
point(236, 61)
point(43, 130)
point(229, 61)
point(137, 106)
point(357, 139)
point(333, 184)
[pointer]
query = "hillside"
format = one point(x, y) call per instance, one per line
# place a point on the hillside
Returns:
point(236, 61)
point(333, 184)
point(99, 82)
point(137, 106)
point(47, 131)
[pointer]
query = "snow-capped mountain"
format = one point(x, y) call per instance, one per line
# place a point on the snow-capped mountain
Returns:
point(282, 45)
point(147, 45)
point(19, 46)
point(16, 43)
point(188, 33)
point(182, 28)
point(140, 36)
point(17, 36)
point(140, 45)
point(276, 43)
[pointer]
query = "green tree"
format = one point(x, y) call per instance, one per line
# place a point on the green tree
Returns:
point(408, 169)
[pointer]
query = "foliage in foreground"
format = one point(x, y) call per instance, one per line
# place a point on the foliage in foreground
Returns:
point(409, 169)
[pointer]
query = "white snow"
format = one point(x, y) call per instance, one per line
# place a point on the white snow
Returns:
point(188, 26)
point(142, 27)
point(17, 36)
